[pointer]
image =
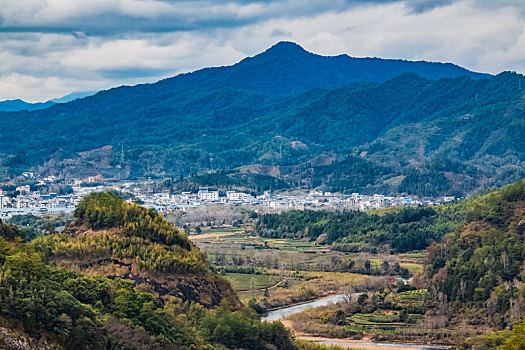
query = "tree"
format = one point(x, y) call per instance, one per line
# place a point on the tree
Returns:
point(362, 299)
point(367, 266)
point(516, 340)
point(385, 266)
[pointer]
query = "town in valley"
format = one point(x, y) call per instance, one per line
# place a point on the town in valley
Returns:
point(38, 196)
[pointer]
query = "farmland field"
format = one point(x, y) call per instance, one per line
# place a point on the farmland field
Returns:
point(293, 270)
point(245, 282)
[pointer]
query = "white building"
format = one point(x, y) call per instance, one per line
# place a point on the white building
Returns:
point(4, 201)
point(238, 196)
point(207, 195)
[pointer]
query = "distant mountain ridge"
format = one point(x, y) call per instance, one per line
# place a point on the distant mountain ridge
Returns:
point(20, 105)
point(288, 69)
point(73, 96)
point(288, 65)
point(337, 123)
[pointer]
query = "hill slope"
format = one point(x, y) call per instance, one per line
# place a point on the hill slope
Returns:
point(474, 277)
point(290, 114)
point(121, 277)
point(119, 240)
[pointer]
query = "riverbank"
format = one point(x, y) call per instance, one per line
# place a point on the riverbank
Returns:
point(283, 312)
point(324, 297)
point(366, 343)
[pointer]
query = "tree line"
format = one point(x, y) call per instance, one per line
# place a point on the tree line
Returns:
point(402, 229)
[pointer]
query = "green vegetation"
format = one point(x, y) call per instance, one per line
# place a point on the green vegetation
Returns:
point(516, 338)
point(305, 286)
point(107, 210)
point(117, 239)
point(272, 272)
point(244, 281)
point(77, 311)
point(307, 345)
point(403, 230)
point(34, 226)
point(259, 125)
point(412, 267)
point(470, 286)
point(11, 232)
point(120, 276)
point(475, 274)
point(127, 231)
point(385, 314)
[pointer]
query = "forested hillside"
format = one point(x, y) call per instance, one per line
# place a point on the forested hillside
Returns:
point(475, 275)
point(116, 239)
point(74, 291)
point(335, 123)
point(470, 291)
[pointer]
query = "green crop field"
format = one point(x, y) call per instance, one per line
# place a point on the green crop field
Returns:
point(413, 295)
point(412, 267)
point(245, 282)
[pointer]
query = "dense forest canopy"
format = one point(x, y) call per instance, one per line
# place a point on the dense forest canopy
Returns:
point(479, 269)
point(401, 229)
point(60, 307)
point(403, 127)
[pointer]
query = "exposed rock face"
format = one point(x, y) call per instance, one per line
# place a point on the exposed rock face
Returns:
point(201, 289)
point(206, 289)
point(10, 340)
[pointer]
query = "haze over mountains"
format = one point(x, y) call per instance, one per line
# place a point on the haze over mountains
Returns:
point(20, 105)
point(337, 123)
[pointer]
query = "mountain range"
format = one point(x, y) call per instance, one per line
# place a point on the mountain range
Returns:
point(336, 123)
point(20, 105)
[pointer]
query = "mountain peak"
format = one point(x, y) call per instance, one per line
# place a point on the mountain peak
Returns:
point(286, 47)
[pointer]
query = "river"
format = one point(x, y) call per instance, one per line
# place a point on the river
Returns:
point(284, 312)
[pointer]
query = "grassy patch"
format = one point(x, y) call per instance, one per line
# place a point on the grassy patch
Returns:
point(244, 281)
point(413, 295)
point(412, 267)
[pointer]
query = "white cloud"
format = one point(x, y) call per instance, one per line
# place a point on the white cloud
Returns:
point(479, 38)
point(147, 8)
point(172, 52)
point(35, 89)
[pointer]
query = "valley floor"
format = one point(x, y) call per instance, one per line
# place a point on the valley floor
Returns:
point(289, 276)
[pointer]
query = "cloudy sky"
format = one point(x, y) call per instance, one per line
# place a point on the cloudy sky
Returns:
point(49, 48)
